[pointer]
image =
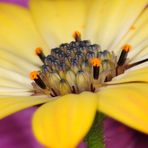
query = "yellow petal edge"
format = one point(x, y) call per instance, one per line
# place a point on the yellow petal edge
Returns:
point(12, 104)
point(64, 122)
point(127, 103)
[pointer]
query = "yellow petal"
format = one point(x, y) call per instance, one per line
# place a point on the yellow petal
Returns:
point(10, 104)
point(57, 20)
point(14, 63)
point(18, 33)
point(136, 36)
point(12, 91)
point(126, 103)
point(14, 71)
point(132, 76)
point(110, 20)
point(64, 122)
point(16, 77)
point(10, 83)
point(140, 50)
point(143, 54)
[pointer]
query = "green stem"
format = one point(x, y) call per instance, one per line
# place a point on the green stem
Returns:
point(94, 138)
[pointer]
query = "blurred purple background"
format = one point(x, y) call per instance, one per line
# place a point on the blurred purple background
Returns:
point(16, 131)
point(20, 2)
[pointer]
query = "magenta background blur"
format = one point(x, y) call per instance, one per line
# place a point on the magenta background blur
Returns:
point(20, 2)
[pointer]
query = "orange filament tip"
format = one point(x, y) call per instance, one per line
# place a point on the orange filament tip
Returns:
point(38, 50)
point(34, 75)
point(96, 62)
point(127, 48)
point(77, 35)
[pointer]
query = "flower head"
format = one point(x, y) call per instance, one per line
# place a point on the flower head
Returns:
point(95, 72)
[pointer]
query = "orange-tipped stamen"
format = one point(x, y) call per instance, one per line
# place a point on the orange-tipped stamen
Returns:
point(39, 52)
point(127, 47)
point(77, 35)
point(95, 62)
point(96, 67)
point(34, 75)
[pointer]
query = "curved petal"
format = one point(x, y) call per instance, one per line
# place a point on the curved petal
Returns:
point(13, 78)
point(12, 73)
point(136, 36)
point(14, 62)
point(127, 103)
point(110, 20)
point(57, 20)
point(140, 52)
point(64, 122)
point(4, 82)
point(141, 55)
point(10, 104)
point(139, 75)
point(18, 33)
point(12, 91)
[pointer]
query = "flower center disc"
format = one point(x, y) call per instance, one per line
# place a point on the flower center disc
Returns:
point(75, 67)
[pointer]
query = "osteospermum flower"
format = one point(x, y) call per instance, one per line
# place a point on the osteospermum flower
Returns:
point(102, 68)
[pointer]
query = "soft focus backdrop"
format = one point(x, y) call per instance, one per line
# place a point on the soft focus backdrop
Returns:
point(20, 2)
